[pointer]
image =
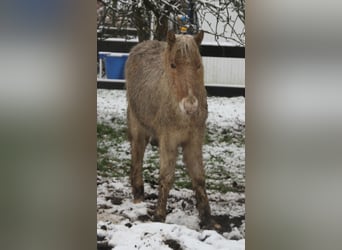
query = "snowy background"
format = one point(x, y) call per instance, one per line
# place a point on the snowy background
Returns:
point(124, 225)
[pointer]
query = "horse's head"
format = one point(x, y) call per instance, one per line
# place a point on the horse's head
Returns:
point(185, 69)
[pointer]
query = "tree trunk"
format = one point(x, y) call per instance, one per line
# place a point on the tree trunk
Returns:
point(142, 24)
point(161, 29)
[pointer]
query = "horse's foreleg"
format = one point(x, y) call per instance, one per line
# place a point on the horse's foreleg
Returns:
point(192, 157)
point(168, 155)
point(138, 139)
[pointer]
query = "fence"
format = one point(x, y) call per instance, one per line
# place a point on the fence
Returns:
point(224, 65)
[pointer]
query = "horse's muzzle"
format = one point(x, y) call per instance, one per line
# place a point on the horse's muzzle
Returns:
point(189, 105)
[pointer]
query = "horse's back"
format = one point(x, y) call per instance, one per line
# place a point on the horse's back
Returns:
point(144, 63)
point(144, 70)
point(149, 48)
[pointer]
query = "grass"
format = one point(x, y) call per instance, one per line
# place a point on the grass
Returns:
point(106, 132)
point(113, 157)
point(109, 138)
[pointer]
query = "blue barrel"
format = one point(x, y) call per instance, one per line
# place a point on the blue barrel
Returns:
point(115, 65)
point(104, 54)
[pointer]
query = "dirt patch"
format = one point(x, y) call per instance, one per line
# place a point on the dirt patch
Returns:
point(144, 218)
point(227, 223)
point(103, 246)
point(173, 244)
point(115, 200)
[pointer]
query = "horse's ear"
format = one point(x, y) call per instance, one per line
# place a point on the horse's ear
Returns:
point(171, 37)
point(199, 37)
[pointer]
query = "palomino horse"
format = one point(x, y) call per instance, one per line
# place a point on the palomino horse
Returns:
point(167, 102)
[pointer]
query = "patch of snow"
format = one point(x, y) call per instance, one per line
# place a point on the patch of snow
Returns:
point(221, 110)
point(133, 211)
point(155, 235)
point(125, 225)
point(180, 218)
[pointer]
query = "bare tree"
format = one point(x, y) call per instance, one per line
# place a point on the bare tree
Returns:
point(224, 18)
point(221, 18)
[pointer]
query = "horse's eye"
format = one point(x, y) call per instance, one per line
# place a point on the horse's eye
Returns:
point(198, 66)
point(173, 65)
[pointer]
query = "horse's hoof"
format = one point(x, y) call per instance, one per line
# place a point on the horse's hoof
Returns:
point(138, 200)
point(158, 218)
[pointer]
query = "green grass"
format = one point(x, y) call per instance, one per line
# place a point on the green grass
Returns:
point(223, 188)
point(224, 136)
point(111, 138)
point(113, 157)
point(108, 133)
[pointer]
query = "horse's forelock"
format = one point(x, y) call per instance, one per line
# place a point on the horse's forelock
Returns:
point(186, 46)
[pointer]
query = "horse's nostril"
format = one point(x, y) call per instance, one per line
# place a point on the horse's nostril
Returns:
point(189, 105)
point(192, 100)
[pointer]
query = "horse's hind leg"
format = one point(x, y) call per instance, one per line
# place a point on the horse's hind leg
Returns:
point(138, 139)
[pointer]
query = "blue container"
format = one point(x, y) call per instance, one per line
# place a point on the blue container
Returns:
point(104, 54)
point(115, 65)
point(102, 58)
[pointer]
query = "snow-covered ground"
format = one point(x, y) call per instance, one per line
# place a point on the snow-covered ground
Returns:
point(124, 225)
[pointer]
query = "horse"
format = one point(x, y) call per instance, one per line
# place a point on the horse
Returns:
point(167, 103)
